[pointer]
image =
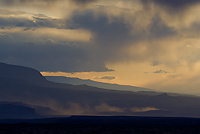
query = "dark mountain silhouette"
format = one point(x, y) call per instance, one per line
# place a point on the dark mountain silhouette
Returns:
point(11, 111)
point(33, 89)
point(21, 73)
point(39, 110)
point(77, 81)
point(18, 110)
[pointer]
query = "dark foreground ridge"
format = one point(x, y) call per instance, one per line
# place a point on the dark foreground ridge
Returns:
point(102, 125)
point(106, 120)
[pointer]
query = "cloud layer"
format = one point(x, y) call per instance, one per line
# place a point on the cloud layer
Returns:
point(87, 35)
point(114, 37)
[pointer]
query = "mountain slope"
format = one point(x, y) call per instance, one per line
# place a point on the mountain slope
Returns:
point(77, 81)
point(39, 111)
point(31, 88)
point(16, 111)
point(21, 73)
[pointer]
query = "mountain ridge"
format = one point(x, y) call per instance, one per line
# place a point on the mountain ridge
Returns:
point(21, 72)
point(78, 81)
point(70, 99)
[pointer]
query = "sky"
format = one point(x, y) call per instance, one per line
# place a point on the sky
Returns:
point(146, 43)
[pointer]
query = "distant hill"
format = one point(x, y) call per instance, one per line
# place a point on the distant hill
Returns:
point(26, 85)
point(77, 81)
point(39, 110)
point(13, 111)
point(22, 73)
point(19, 110)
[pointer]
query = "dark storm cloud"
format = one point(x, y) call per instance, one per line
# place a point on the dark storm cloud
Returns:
point(177, 3)
point(173, 6)
point(83, 2)
point(115, 32)
point(112, 35)
point(108, 37)
point(53, 56)
point(108, 40)
point(49, 57)
point(158, 29)
point(12, 22)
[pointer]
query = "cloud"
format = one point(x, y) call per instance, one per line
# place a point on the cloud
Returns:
point(47, 56)
point(106, 33)
point(88, 39)
point(83, 2)
point(58, 37)
point(106, 77)
point(109, 38)
point(14, 2)
point(23, 19)
point(160, 30)
point(173, 6)
point(177, 3)
point(161, 71)
point(8, 12)
point(115, 36)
